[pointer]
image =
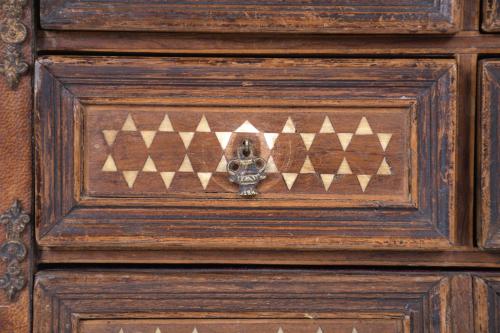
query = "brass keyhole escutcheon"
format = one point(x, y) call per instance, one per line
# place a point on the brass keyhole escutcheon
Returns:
point(246, 169)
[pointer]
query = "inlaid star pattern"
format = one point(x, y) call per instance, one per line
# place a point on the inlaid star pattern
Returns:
point(153, 159)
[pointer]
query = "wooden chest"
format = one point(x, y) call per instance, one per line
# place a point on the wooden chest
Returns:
point(315, 166)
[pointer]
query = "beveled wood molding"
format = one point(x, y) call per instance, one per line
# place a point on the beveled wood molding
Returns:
point(13, 33)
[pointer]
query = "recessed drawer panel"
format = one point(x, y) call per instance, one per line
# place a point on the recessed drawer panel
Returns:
point(491, 15)
point(489, 204)
point(233, 301)
point(246, 153)
point(313, 16)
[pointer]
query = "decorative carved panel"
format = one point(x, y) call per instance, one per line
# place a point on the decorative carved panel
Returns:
point(248, 301)
point(315, 16)
point(360, 153)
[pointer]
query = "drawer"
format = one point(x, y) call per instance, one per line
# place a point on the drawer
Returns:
point(249, 301)
point(491, 15)
point(313, 16)
point(135, 153)
point(488, 205)
point(486, 303)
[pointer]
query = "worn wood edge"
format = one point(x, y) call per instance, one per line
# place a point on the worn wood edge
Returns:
point(466, 257)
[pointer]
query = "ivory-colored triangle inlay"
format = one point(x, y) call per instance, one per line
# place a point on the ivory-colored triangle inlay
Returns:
point(345, 140)
point(222, 166)
point(247, 127)
point(271, 139)
point(130, 177)
point(384, 168)
point(354, 330)
point(109, 136)
point(186, 165)
point(363, 181)
point(166, 125)
point(290, 179)
point(129, 124)
point(148, 137)
point(195, 330)
point(203, 125)
point(327, 126)
point(289, 126)
point(167, 178)
point(308, 139)
point(223, 138)
point(204, 178)
point(307, 167)
point(327, 180)
point(384, 139)
point(319, 330)
point(344, 168)
point(149, 166)
point(109, 165)
point(364, 127)
point(280, 330)
point(157, 330)
point(271, 166)
point(121, 330)
point(186, 137)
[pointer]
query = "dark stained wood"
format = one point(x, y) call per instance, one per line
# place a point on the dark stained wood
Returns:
point(489, 204)
point(72, 217)
point(226, 300)
point(486, 303)
point(468, 42)
point(313, 16)
point(491, 16)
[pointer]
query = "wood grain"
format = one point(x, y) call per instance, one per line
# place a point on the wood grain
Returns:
point(488, 207)
point(69, 301)
point(381, 16)
point(72, 218)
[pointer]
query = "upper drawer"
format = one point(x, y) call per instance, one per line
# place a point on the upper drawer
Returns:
point(489, 205)
point(304, 16)
point(134, 152)
point(491, 15)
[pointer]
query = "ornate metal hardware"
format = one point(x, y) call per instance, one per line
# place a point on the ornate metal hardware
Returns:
point(246, 170)
point(13, 251)
point(13, 33)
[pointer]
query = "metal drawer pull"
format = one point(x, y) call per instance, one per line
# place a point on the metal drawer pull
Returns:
point(246, 170)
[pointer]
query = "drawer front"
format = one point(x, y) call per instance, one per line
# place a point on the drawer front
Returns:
point(337, 16)
point(134, 152)
point(491, 15)
point(249, 301)
point(486, 303)
point(488, 205)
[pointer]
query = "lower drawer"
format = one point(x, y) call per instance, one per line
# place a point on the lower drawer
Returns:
point(252, 301)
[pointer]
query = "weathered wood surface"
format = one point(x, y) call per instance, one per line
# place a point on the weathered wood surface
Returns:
point(228, 300)
point(314, 16)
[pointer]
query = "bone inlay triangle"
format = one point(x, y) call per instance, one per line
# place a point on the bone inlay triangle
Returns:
point(384, 168)
point(271, 166)
point(308, 139)
point(289, 179)
point(148, 137)
point(129, 124)
point(246, 127)
point(363, 181)
point(166, 125)
point(222, 166)
point(109, 136)
point(149, 166)
point(223, 138)
point(167, 178)
point(344, 168)
point(289, 126)
point(327, 180)
point(364, 127)
point(327, 126)
point(130, 177)
point(121, 330)
point(186, 137)
point(109, 165)
point(157, 330)
point(203, 125)
point(307, 167)
point(186, 165)
point(280, 330)
point(354, 330)
point(204, 178)
point(271, 139)
point(195, 330)
point(345, 140)
point(384, 139)
point(319, 330)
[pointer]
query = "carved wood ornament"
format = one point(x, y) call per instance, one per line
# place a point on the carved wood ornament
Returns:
point(13, 33)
